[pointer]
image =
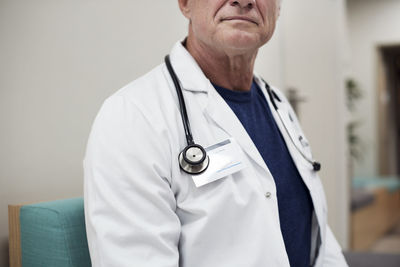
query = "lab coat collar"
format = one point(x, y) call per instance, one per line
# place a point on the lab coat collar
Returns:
point(189, 72)
point(192, 78)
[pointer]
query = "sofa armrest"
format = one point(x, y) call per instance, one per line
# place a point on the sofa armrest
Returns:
point(48, 234)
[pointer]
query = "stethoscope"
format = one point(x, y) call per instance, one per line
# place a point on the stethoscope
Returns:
point(193, 159)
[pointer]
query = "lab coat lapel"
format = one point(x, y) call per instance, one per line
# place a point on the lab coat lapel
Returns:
point(308, 175)
point(220, 112)
point(303, 166)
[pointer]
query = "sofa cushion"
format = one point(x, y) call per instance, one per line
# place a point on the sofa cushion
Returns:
point(53, 234)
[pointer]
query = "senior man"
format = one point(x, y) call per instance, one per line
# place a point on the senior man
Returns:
point(251, 198)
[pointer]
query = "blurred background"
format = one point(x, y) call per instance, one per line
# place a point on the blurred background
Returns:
point(338, 61)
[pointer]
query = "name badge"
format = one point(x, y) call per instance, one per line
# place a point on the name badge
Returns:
point(225, 157)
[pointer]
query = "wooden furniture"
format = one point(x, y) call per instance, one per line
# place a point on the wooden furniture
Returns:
point(14, 238)
point(371, 222)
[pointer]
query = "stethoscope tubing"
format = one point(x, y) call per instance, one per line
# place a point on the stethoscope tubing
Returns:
point(182, 105)
point(185, 164)
point(316, 165)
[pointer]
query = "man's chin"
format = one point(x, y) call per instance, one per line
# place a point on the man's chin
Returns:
point(241, 42)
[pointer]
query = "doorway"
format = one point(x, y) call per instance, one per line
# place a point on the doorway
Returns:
point(389, 110)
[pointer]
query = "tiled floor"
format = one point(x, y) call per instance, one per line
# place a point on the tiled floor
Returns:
point(390, 243)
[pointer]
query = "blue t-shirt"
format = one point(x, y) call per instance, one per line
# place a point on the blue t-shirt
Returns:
point(294, 201)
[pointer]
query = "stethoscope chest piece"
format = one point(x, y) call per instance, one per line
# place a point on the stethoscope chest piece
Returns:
point(193, 159)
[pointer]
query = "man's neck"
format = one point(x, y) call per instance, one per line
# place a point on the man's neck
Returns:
point(230, 70)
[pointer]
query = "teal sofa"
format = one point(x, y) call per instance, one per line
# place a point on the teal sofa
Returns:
point(53, 234)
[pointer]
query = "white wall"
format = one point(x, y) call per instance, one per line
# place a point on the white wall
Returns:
point(269, 63)
point(60, 59)
point(371, 23)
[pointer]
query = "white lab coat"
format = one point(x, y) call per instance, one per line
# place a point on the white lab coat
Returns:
point(142, 210)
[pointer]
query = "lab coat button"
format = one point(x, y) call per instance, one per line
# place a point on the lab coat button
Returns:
point(268, 195)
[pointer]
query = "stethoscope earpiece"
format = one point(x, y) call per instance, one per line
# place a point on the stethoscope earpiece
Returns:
point(316, 166)
point(193, 159)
